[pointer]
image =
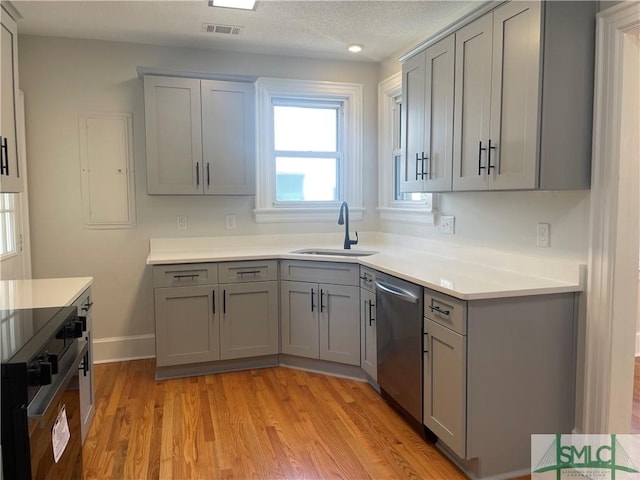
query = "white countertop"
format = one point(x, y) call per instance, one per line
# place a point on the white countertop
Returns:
point(468, 273)
point(40, 293)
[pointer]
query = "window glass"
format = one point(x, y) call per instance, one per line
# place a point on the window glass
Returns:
point(7, 224)
point(306, 151)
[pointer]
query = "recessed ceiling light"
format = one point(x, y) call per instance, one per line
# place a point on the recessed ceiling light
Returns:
point(355, 48)
point(240, 4)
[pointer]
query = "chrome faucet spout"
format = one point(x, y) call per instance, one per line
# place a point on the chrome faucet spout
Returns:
point(343, 219)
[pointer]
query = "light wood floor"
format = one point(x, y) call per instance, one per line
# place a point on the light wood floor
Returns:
point(635, 414)
point(261, 424)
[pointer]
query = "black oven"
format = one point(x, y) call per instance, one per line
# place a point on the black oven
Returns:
point(41, 357)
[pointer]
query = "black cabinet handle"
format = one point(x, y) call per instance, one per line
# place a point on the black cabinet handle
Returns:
point(213, 301)
point(489, 166)
point(312, 305)
point(435, 308)
point(4, 157)
point(208, 175)
point(86, 307)
point(197, 174)
point(417, 172)
point(425, 158)
point(224, 301)
point(371, 319)
point(480, 150)
point(321, 300)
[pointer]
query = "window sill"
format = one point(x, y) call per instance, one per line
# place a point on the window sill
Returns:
point(285, 215)
point(417, 216)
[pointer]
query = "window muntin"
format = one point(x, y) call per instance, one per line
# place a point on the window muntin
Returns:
point(307, 151)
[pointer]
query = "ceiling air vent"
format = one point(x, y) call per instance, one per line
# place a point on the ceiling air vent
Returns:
point(221, 29)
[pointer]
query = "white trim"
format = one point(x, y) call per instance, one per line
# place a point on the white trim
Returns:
point(120, 349)
point(637, 344)
point(350, 94)
point(389, 209)
point(613, 251)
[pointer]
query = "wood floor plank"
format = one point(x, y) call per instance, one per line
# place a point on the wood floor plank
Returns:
point(265, 424)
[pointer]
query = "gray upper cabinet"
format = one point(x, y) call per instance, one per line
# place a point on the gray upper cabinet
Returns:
point(11, 178)
point(173, 135)
point(522, 102)
point(199, 136)
point(428, 81)
point(228, 138)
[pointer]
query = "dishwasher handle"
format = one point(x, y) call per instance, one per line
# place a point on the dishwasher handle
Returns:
point(401, 293)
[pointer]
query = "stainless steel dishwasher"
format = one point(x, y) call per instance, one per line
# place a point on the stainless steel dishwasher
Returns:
point(399, 333)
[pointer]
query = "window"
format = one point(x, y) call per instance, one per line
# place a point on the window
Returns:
point(308, 157)
point(309, 150)
point(8, 228)
point(393, 204)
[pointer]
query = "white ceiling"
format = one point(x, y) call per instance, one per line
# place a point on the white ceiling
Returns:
point(310, 28)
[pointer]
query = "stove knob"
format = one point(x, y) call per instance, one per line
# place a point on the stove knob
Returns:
point(40, 375)
point(53, 359)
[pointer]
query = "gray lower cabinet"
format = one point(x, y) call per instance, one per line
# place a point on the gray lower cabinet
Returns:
point(495, 372)
point(368, 338)
point(320, 320)
point(444, 384)
point(207, 312)
point(187, 325)
point(249, 324)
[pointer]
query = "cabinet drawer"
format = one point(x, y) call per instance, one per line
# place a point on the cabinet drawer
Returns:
point(185, 274)
point(319, 272)
point(445, 310)
point(367, 278)
point(253, 271)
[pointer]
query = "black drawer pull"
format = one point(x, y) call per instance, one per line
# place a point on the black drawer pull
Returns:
point(435, 308)
point(192, 276)
point(248, 272)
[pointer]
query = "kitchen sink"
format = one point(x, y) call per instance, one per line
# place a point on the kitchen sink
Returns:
point(335, 252)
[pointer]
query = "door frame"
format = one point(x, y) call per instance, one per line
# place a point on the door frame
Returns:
point(611, 303)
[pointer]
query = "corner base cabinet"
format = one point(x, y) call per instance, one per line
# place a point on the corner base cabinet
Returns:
point(320, 320)
point(495, 372)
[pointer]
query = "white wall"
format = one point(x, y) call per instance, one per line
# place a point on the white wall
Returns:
point(63, 78)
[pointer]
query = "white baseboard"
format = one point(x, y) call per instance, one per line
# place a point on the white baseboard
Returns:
point(119, 349)
point(637, 344)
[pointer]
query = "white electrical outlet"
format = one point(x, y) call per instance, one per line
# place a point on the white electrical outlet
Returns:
point(181, 223)
point(544, 234)
point(448, 224)
point(230, 222)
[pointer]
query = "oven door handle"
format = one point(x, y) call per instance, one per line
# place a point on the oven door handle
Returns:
point(39, 406)
point(398, 292)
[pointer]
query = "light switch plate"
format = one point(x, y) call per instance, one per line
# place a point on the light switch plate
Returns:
point(544, 234)
point(181, 222)
point(230, 222)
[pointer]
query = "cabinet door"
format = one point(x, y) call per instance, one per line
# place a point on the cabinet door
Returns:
point(445, 393)
point(228, 138)
point(299, 318)
point(412, 132)
point(187, 330)
point(514, 96)
point(438, 128)
point(173, 135)
point(472, 104)
point(249, 324)
point(10, 175)
point(368, 346)
point(339, 324)
point(85, 379)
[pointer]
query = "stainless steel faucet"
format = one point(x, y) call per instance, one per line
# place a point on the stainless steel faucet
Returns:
point(343, 219)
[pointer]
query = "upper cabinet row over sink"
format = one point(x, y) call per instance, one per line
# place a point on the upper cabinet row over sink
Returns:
point(503, 103)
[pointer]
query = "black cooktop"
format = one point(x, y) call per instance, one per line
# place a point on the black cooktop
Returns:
point(24, 332)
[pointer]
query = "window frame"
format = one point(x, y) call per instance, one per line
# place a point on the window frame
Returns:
point(419, 212)
point(12, 211)
point(349, 95)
